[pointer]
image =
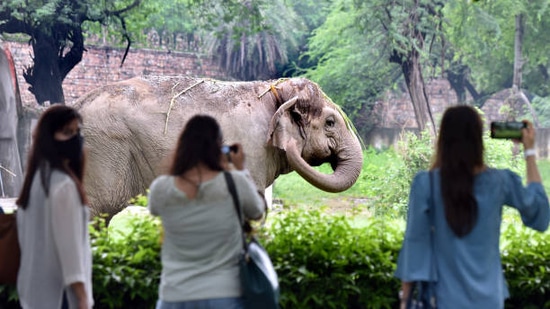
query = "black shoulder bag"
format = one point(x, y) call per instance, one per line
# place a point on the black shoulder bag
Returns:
point(259, 280)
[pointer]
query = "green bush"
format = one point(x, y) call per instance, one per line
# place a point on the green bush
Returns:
point(525, 256)
point(126, 263)
point(382, 184)
point(323, 262)
point(390, 183)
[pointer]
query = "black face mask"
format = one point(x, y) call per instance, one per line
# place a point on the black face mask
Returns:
point(71, 148)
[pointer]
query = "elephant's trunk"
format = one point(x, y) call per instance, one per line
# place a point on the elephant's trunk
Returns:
point(347, 167)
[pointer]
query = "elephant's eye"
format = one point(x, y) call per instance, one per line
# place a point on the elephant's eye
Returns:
point(329, 122)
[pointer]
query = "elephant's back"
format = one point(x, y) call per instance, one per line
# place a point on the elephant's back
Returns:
point(164, 103)
point(176, 92)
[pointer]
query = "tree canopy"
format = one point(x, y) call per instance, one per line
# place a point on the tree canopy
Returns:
point(54, 29)
point(469, 43)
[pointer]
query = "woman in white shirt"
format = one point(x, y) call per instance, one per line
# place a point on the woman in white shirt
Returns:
point(52, 219)
point(202, 232)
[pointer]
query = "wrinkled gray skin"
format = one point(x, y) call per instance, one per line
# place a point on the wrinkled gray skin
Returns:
point(11, 175)
point(293, 127)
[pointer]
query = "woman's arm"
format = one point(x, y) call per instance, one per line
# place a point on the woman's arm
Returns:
point(252, 201)
point(68, 227)
point(404, 294)
point(528, 141)
point(80, 292)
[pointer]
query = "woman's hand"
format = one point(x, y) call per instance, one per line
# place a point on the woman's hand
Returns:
point(404, 294)
point(237, 157)
point(80, 292)
point(528, 135)
point(528, 141)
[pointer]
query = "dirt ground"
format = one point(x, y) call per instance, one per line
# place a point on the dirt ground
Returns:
point(336, 205)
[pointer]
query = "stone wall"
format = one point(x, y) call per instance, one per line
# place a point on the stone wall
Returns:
point(102, 65)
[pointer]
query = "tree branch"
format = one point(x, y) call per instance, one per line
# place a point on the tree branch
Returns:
point(121, 11)
point(74, 56)
point(15, 26)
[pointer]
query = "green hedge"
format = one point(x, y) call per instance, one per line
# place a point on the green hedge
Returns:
point(323, 261)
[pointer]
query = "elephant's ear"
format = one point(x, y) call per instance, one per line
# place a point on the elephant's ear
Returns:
point(284, 123)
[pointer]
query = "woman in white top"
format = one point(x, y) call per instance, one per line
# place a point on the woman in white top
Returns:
point(52, 219)
point(202, 233)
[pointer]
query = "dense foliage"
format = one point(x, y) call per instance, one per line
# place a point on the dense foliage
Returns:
point(323, 261)
point(126, 266)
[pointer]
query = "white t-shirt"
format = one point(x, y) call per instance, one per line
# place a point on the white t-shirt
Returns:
point(202, 236)
point(55, 245)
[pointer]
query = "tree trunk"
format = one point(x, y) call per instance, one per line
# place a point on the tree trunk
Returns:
point(44, 76)
point(517, 98)
point(456, 75)
point(52, 63)
point(412, 71)
point(409, 61)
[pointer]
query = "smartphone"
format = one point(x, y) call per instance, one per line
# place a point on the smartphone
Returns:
point(507, 129)
point(226, 149)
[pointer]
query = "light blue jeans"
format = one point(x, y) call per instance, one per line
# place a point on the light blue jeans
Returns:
point(214, 303)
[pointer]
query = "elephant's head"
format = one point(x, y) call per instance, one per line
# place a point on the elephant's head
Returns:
point(312, 130)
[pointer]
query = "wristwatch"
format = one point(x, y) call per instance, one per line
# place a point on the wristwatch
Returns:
point(529, 152)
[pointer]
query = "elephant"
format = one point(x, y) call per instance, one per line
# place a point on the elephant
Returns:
point(131, 128)
point(11, 175)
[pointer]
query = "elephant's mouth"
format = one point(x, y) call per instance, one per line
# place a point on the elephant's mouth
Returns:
point(332, 160)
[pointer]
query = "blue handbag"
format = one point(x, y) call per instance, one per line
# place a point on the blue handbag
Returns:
point(422, 294)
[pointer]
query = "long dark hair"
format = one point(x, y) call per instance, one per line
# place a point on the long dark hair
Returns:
point(200, 141)
point(44, 156)
point(459, 153)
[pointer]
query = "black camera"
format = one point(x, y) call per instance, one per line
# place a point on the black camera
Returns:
point(507, 129)
point(226, 149)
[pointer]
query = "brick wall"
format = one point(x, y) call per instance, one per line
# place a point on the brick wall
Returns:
point(396, 110)
point(101, 65)
point(395, 114)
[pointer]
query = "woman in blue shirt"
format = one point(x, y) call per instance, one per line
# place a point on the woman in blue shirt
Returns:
point(468, 198)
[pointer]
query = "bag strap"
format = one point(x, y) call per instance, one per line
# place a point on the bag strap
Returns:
point(233, 190)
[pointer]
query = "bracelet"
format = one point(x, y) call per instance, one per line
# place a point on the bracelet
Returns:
point(529, 152)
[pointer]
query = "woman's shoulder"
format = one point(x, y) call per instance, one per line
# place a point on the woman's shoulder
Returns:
point(498, 173)
point(162, 181)
point(424, 175)
point(241, 176)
